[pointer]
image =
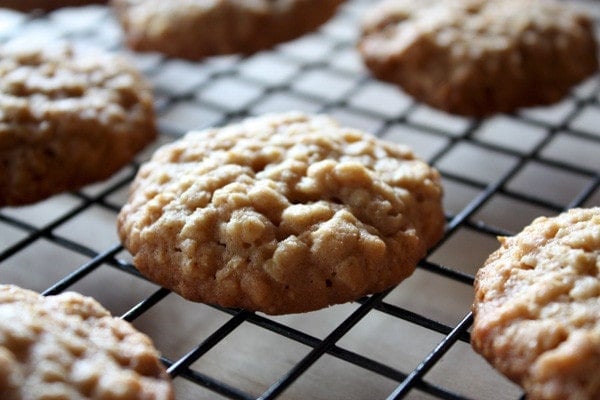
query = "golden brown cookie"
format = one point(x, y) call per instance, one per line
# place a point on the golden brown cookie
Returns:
point(68, 117)
point(281, 213)
point(537, 307)
point(194, 29)
point(478, 57)
point(46, 5)
point(69, 347)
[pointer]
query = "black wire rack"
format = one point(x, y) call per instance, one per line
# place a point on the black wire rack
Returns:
point(410, 342)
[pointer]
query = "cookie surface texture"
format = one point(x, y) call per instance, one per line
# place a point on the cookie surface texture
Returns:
point(69, 347)
point(282, 213)
point(194, 29)
point(68, 117)
point(478, 57)
point(537, 307)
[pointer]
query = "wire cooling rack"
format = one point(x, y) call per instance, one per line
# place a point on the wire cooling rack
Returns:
point(409, 342)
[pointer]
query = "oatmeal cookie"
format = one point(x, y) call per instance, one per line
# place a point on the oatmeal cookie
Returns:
point(194, 29)
point(69, 347)
point(282, 213)
point(68, 117)
point(537, 307)
point(46, 5)
point(478, 57)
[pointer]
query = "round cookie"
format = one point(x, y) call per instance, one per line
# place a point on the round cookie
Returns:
point(46, 5)
point(537, 307)
point(478, 57)
point(282, 213)
point(69, 347)
point(68, 117)
point(194, 29)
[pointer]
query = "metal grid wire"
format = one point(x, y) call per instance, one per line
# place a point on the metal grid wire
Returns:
point(409, 342)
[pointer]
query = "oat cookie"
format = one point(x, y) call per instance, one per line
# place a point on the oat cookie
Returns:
point(45, 5)
point(194, 29)
point(281, 213)
point(537, 307)
point(478, 57)
point(68, 117)
point(69, 347)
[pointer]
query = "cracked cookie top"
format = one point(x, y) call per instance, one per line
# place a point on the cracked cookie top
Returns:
point(68, 346)
point(281, 213)
point(477, 57)
point(537, 306)
point(194, 29)
point(68, 117)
